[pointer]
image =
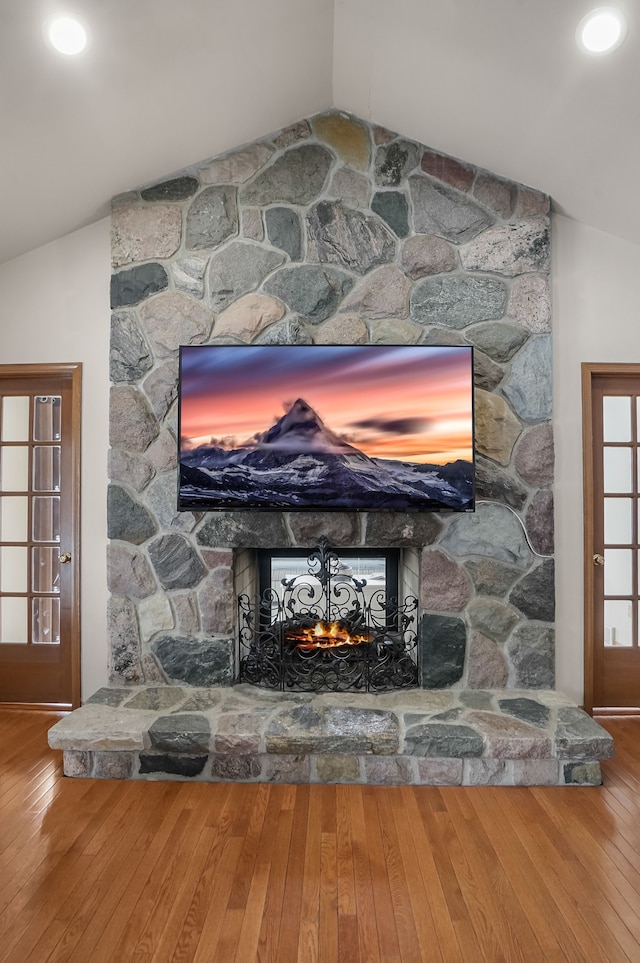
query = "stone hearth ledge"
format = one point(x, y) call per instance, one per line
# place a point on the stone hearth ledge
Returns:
point(410, 737)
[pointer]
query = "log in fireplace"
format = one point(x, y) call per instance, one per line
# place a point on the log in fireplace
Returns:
point(325, 629)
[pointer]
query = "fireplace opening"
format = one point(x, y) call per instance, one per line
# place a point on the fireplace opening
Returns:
point(328, 622)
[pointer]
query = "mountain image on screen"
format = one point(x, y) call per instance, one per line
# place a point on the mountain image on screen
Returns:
point(299, 463)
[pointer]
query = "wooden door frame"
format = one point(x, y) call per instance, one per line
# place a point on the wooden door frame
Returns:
point(591, 371)
point(73, 373)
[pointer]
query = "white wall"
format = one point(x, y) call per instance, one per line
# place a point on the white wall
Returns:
point(54, 307)
point(595, 318)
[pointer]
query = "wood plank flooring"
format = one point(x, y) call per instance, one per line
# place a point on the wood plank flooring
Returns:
point(169, 872)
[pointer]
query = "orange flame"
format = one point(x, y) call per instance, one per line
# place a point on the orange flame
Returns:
point(325, 635)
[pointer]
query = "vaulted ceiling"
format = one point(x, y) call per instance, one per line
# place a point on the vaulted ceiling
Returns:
point(165, 84)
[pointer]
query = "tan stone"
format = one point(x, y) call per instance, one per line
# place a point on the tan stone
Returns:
point(342, 329)
point(497, 428)
point(384, 293)
point(531, 203)
point(238, 167)
point(425, 254)
point(174, 319)
point(155, 615)
point(348, 137)
point(350, 187)
point(530, 303)
point(248, 316)
point(144, 233)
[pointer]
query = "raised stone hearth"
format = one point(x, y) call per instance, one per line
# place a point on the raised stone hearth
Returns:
point(411, 737)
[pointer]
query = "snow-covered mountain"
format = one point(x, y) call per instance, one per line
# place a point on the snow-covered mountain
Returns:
point(299, 463)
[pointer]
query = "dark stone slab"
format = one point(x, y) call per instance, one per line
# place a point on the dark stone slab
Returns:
point(491, 577)
point(497, 484)
point(392, 207)
point(456, 300)
point(305, 729)
point(173, 765)
point(314, 292)
point(486, 373)
point(534, 595)
point(136, 284)
point(442, 210)
point(492, 618)
point(181, 732)
point(296, 177)
point(196, 663)
point(340, 528)
point(127, 519)
point(176, 189)
point(212, 217)
point(176, 562)
point(284, 230)
point(528, 710)
point(531, 649)
point(442, 643)
point(582, 774)
point(579, 737)
point(440, 739)
point(112, 696)
point(130, 356)
point(394, 161)
point(341, 235)
point(398, 529)
point(243, 530)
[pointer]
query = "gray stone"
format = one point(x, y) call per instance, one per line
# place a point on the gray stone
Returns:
point(534, 595)
point(243, 530)
point(444, 585)
point(240, 732)
point(284, 230)
point(371, 730)
point(112, 765)
point(340, 235)
point(486, 374)
point(128, 572)
point(436, 334)
point(383, 294)
point(485, 772)
point(442, 644)
point(186, 612)
point(534, 456)
point(457, 300)
point(252, 226)
point(579, 737)
point(312, 291)
point(539, 522)
point(447, 169)
point(188, 275)
point(212, 217)
point(476, 699)
point(187, 732)
point(442, 210)
point(287, 769)
point(163, 452)
point(124, 643)
point(249, 316)
point(440, 739)
point(581, 774)
point(392, 331)
point(493, 618)
point(196, 663)
point(530, 303)
point(130, 469)
point(303, 729)
point(422, 255)
point(439, 772)
point(531, 650)
point(175, 189)
point(109, 696)
point(511, 249)
point(161, 499)
point(535, 772)
point(136, 284)
point(388, 770)
point(161, 388)
point(498, 484)
point(394, 161)
point(491, 577)
point(127, 519)
point(172, 764)
point(399, 529)
point(528, 710)
point(350, 187)
point(392, 207)
point(217, 602)
point(496, 427)
point(176, 563)
point(287, 331)
point(500, 340)
point(144, 233)
point(340, 528)
point(486, 667)
point(337, 768)
point(509, 738)
point(296, 177)
point(238, 166)
point(129, 355)
point(157, 698)
point(235, 768)
point(532, 202)
point(497, 194)
point(238, 269)
point(493, 532)
point(76, 764)
point(292, 134)
point(342, 329)
point(155, 615)
point(174, 319)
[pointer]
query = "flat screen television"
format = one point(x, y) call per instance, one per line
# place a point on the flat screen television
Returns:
point(326, 428)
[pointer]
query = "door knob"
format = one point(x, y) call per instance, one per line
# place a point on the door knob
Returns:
point(65, 558)
point(598, 559)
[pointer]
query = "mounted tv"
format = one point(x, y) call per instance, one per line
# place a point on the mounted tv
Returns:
point(326, 428)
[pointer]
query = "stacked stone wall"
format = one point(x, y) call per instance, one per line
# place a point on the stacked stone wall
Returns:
point(334, 231)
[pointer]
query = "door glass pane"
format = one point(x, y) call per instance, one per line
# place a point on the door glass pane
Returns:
point(46, 570)
point(14, 469)
point(14, 514)
point(46, 518)
point(46, 418)
point(46, 469)
point(618, 526)
point(13, 569)
point(15, 419)
point(617, 571)
point(617, 470)
point(618, 623)
point(46, 622)
point(13, 620)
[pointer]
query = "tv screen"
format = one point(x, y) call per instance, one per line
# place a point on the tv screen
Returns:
point(321, 428)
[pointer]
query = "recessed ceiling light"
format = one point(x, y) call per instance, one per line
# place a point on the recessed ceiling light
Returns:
point(602, 30)
point(67, 35)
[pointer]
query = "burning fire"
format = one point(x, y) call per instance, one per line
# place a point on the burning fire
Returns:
point(326, 635)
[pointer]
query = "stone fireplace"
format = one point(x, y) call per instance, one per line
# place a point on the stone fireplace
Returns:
point(337, 231)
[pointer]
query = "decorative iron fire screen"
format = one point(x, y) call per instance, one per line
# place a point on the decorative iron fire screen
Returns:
point(321, 631)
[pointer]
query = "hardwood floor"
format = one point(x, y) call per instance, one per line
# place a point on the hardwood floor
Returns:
point(112, 872)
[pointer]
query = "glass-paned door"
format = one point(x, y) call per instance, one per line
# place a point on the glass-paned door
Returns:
point(38, 534)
